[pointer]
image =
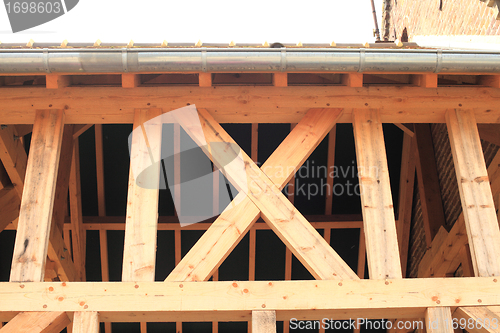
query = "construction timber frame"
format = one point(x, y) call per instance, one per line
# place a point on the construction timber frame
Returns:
point(48, 295)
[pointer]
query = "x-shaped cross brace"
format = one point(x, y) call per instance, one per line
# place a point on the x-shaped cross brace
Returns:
point(263, 196)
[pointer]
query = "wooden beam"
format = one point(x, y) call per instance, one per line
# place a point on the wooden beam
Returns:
point(376, 199)
point(475, 192)
point(263, 321)
point(406, 183)
point(139, 257)
point(280, 79)
point(250, 104)
point(187, 301)
point(216, 244)
point(478, 319)
point(30, 251)
point(4, 177)
point(55, 81)
point(330, 165)
point(205, 79)
point(285, 220)
point(438, 320)
point(13, 156)
point(99, 156)
point(37, 322)
point(80, 129)
point(354, 80)
point(86, 322)
point(75, 203)
point(428, 183)
point(131, 80)
point(490, 80)
point(425, 80)
point(58, 253)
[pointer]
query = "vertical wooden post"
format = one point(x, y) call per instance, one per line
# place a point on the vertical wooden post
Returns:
point(139, 257)
point(263, 321)
point(86, 322)
point(438, 320)
point(280, 79)
point(30, 251)
point(205, 79)
point(475, 192)
point(329, 175)
point(376, 198)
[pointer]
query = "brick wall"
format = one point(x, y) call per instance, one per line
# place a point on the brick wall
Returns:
point(449, 192)
point(424, 17)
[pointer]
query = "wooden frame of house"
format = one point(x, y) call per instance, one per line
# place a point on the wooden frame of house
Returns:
point(47, 290)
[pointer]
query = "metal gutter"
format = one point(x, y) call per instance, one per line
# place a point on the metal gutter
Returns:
point(151, 60)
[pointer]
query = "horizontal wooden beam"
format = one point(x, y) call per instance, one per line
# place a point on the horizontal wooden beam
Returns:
point(128, 301)
point(250, 104)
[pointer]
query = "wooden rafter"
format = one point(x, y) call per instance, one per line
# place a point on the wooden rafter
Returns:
point(37, 322)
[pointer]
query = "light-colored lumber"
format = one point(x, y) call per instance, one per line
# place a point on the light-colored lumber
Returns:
point(263, 321)
point(475, 192)
point(428, 183)
point(205, 79)
point(56, 81)
point(478, 319)
point(280, 79)
point(37, 322)
point(130, 80)
point(425, 80)
point(139, 257)
point(376, 199)
point(215, 244)
point(285, 220)
point(86, 322)
point(251, 104)
point(439, 320)
point(187, 301)
point(406, 183)
point(78, 233)
point(58, 253)
point(354, 80)
point(35, 216)
point(13, 156)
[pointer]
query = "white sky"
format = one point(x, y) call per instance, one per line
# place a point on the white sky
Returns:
point(218, 21)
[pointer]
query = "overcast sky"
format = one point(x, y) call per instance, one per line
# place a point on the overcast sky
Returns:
point(220, 21)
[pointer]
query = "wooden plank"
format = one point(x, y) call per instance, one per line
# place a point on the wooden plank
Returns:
point(215, 244)
point(354, 80)
point(466, 261)
point(131, 80)
point(330, 165)
point(139, 257)
point(56, 81)
point(30, 251)
point(407, 298)
point(407, 128)
point(263, 321)
point(376, 199)
point(490, 80)
point(58, 253)
point(37, 322)
point(280, 79)
point(205, 79)
point(86, 322)
point(251, 104)
point(285, 220)
point(428, 183)
point(406, 183)
point(99, 156)
point(425, 80)
point(78, 234)
point(13, 156)
point(478, 319)
point(475, 192)
point(103, 247)
point(361, 254)
point(438, 320)
point(4, 177)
